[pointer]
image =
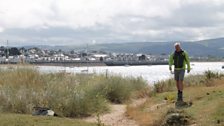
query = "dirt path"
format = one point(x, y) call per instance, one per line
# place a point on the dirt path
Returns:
point(117, 115)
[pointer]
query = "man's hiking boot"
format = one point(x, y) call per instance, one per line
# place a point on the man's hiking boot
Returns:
point(180, 96)
point(182, 104)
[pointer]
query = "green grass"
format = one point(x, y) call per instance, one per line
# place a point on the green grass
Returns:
point(219, 113)
point(207, 108)
point(208, 104)
point(7, 119)
point(69, 95)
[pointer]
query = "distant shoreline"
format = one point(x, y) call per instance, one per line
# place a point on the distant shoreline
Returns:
point(79, 64)
point(55, 64)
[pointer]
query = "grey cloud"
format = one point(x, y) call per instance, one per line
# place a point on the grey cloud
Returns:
point(193, 16)
point(190, 15)
point(187, 22)
point(58, 35)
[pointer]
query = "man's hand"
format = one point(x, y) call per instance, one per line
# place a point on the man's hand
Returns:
point(170, 68)
point(188, 71)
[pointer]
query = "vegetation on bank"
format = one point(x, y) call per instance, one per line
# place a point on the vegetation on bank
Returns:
point(205, 79)
point(206, 92)
point(69, 95)
point(80, 95)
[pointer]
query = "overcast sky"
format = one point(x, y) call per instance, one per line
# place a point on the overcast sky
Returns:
point(70, 22)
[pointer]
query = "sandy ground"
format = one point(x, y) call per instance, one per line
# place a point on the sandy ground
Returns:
point(117, 115)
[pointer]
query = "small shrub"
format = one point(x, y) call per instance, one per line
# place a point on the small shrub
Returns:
point(119, 90)
point(212, 75)
point(164, 86)
point(194, 80)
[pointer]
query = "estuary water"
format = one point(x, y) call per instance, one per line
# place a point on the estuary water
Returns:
point(151, 74)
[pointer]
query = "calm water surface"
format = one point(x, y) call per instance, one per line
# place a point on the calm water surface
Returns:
point(151, 74)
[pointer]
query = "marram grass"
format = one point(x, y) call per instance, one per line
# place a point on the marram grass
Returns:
point(68, 95)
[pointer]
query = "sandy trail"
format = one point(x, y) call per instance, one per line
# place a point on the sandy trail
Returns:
point(117, 115)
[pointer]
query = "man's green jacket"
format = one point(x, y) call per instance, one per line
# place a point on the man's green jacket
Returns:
point(186, 61)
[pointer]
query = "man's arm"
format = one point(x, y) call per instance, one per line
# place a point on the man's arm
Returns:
point(170, 61)
point(187, 62)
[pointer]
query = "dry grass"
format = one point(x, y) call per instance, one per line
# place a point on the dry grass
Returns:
point(207, 109)
point(145, 114)
point(22, 88)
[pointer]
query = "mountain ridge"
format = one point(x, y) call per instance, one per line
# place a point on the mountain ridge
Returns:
point(208, 47)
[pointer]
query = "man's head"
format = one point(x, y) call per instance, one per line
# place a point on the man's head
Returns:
point(177, 46)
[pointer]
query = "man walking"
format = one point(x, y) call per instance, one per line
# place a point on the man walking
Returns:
point(179, 59)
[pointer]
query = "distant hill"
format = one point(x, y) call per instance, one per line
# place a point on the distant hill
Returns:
point(217, 43)
point(212, 47)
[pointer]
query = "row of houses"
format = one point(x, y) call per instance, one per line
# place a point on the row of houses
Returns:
point(14, 55)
